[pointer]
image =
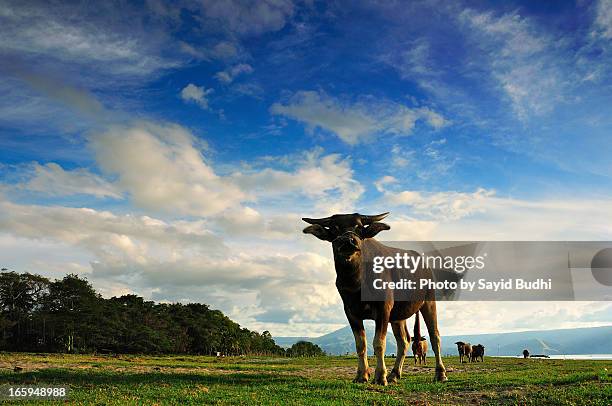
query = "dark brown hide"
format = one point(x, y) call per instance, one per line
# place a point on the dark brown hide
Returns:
point(478, 352)
point(465, 351)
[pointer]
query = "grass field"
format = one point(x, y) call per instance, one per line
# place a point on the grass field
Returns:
point(127, 379)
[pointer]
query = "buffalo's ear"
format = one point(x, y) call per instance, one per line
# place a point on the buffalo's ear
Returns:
point(319, 231)
point(373, 229)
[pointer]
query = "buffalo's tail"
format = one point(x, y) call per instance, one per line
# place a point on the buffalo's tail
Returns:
point(417, 327)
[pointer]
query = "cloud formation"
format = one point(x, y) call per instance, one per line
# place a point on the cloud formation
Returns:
point(357, 122)
point(162, 169)
point(53, 180)
point(603, 19)
point(227, 76)
point(440, 205)
point(196, 94)
point(328, 181)
point(249, 17)
point(522, 60)
point(103, 44)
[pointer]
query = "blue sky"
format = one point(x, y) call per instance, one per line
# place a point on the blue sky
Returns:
point(170, 150)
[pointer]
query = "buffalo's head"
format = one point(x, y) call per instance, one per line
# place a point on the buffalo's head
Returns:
point(346, 232)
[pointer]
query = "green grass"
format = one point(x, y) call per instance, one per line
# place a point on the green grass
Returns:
point(130, 379)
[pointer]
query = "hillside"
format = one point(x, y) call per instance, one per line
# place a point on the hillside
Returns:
point(595, 340)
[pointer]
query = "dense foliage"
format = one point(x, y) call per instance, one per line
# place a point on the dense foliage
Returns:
point(305, 349)
point(67, 315)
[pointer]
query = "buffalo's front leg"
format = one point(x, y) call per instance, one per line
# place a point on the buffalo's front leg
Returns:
point(402, 338)
point(380, 341)
point(431, 320)
point(363, 371)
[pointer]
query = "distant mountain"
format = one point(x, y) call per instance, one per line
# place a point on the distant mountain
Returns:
point(594, 340)
point(287, 342)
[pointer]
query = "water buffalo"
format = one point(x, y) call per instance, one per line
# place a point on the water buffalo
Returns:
point(478, 352)
point(465, 351)
point(351, 235)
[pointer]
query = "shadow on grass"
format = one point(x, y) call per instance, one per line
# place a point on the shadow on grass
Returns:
point(87, 378)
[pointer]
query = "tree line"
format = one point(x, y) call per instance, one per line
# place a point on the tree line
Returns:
point(67, 315)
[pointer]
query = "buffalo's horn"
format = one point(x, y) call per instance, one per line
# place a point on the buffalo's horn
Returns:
point(371, 219)
point(322, 221)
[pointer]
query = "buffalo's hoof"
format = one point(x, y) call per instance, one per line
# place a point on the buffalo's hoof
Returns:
point(362, 377)
point(380, 377)
point(441, 376)
point(393, 377)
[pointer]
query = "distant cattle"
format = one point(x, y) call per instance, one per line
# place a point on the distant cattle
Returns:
point(478, 352)
point(419, 344)
point(465, 351)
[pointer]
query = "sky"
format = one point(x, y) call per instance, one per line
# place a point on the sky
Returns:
point(170, 150)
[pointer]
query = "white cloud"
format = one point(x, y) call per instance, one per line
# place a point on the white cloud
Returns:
point(109, 237)
point(482, 215)
point(196, 94)
point(603, 19)
point(522, 59)
point(426, 161)
point(327, 180)
point(102, 44)
point(401, 157)
point(546, 219)
point(440, 205)
point(227, 50)
point(413, 61)
point(161, 168)
point(228, 75)
point(385, 180)
point(47, 105)
point(247, 221)
point(251, 16)
point(52, 179)
point(458, 317)
point(406, 228)
point(355, 122)
point(78, 99)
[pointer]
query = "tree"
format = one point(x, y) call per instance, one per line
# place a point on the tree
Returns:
point(67, 315)
point(305, 349)
point(20, 297)
point(75, 311)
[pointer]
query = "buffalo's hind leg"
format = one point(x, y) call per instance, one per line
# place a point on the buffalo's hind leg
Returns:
point(402, 338)
point(431, 320)
point(363, 370)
